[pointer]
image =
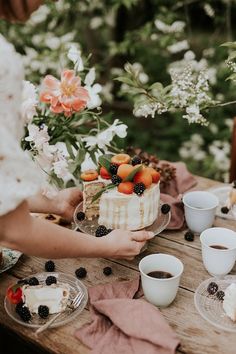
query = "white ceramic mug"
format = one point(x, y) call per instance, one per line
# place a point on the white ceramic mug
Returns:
point(218, 262)
point(200, 208)
point(160, 292)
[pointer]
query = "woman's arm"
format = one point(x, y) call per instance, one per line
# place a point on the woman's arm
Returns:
point(36, 237)
point(63, 204)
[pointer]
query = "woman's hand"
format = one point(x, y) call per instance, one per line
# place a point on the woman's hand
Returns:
point(66, 201)
point(125, 244)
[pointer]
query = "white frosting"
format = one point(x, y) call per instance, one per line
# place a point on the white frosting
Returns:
point(229, 303)
point(54, 296)
point(129, 211)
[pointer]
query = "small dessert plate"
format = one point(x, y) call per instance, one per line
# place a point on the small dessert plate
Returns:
point(90, 226)
point(222, 194)
point(66, 316)
point(9, 259)
point(210, 308)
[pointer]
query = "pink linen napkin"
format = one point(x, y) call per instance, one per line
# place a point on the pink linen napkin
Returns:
point(172, 193)
point(122, 324)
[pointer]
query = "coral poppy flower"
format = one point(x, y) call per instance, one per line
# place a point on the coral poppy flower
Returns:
point(67, 95)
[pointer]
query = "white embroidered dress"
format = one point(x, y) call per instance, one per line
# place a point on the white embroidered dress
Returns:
point(19, 177)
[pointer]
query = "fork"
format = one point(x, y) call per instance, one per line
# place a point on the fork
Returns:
point(73, 306)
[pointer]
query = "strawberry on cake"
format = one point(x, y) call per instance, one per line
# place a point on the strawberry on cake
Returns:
point(124, 195)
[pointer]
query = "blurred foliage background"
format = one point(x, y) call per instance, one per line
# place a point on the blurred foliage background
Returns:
point(117, 31)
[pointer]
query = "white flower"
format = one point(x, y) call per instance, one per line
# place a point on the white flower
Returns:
point(88, 163)
point(104, 138)
point(74, 55)
point(193, 115)
point(29, 101)
point(61, 169)
point(178, 47)
point(175, 27)
point(96, 22)
point(52, 42)
point(40, 15)
point(93, 90)
point(38, 136)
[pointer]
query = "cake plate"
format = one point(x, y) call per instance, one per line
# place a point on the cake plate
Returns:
point(210, 308)
point(90, 226)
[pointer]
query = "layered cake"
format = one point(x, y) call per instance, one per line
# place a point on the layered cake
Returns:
point(229, 303)
point(124, 194)
point(55, 297)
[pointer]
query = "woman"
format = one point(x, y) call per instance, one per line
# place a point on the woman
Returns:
point(20, 181)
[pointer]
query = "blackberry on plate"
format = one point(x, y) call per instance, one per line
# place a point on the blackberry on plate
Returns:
point(136, 160)
point(51, 280)
point(165, 208)
point(18, 307)
point(107, 271)
point(224, 210)
point(33, 281)
point(49, 266)
point(116, 180)
point(139, 188)
point(189, 236)
point(43, 311)
point(81, 272)
point(220, 295)
point(80, 216)
point(212, 288)
point(113, 169)
point(101, 231)
point(25, 314)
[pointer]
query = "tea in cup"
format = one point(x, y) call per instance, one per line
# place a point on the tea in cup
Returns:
point(218, 250)
point(200, 208)
point(160, 277)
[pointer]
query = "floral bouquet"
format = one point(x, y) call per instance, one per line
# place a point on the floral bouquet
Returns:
point(65, 129)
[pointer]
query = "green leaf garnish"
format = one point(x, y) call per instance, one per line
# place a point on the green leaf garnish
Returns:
point(130, 177)
point(105, 162)
point(98, 194)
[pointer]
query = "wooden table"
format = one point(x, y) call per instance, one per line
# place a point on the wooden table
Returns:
point(196, 335)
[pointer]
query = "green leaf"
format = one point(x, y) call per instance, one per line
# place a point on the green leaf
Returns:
point(156, 86)
point(98, 195)
point(130, 177)
point(70, 150)
point(105, 162)
point(125, 80)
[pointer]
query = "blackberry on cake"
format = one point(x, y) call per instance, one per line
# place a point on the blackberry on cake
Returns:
point(107, 271)
point(116, 180)
point(25, 314)
point(33, 281)
point(113, 169)
point(49, 266)
point(43, 311)
point(51, 280)
point(139, 188)
point(101, 231)
point(81, 273)
point(136, 160)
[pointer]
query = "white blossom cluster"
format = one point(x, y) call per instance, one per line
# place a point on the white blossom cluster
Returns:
point(178, 47)
point(193, 148)
point(175, 27)
point(190, 91)
point(149, 109)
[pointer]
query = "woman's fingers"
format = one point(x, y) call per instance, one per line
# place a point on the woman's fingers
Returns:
point(142, 236)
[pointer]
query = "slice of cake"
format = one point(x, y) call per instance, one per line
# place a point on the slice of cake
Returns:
point(131, 193)
point(229, 303)
point(55, 297)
